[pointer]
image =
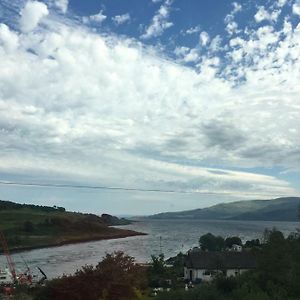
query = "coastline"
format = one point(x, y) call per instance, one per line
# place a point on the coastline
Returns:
point(127, 233)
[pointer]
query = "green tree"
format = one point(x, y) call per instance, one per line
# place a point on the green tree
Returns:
point(116, 277)
point(253, 243)
point(158, 272)
point(274, 261)
point(210, 242)
point(233, 240)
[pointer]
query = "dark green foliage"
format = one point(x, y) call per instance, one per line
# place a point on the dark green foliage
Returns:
point(116, 277)
point(253, 243)
point(163, 273)
point(209, 242)
point(8, 205)
point(233, 240)
point(28, 226)
point(158, 272)
point(205, 292)
point(226, 285)
point(178, 264)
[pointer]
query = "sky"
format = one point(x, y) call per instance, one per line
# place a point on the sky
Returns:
point(201, 98)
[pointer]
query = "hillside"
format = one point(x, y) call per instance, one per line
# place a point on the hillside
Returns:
point(280, 209)
point(31, 226)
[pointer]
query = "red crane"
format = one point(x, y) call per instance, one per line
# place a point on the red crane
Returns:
point(23, 278)
point(10, 262)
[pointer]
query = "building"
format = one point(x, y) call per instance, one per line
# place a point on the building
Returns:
point(203, 266)
point(236, 248)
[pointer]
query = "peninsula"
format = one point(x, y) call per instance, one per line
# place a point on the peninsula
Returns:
point(30, 226)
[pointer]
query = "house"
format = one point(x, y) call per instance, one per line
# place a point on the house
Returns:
point(203, 266)
point(236, 248)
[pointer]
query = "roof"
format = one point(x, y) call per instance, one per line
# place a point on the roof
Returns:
point(220, 260)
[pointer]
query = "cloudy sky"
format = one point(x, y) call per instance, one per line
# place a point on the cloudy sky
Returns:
point(197, 97)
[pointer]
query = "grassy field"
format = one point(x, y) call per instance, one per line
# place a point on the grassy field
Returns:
point(36, 226)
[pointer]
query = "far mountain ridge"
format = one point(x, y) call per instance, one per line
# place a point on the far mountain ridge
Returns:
point(279, 209)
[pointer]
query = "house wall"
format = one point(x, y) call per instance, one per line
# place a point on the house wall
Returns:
point(202, 274)
point(196, 274)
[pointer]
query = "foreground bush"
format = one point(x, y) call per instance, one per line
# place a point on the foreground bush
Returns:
point(116, 277)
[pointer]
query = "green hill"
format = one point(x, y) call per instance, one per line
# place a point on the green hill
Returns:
point(30, 226)
point(280, 209)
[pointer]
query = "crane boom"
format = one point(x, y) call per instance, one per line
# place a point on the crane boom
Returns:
point(6, 252)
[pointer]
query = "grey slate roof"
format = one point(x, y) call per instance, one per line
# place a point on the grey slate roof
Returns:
point(220, 260)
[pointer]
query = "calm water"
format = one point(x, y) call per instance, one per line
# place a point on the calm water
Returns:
point(176, 235)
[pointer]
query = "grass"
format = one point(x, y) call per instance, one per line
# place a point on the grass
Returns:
point(33, 227)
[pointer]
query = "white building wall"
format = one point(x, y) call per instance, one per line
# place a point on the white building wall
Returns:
point(203, 276)
point(196, 274)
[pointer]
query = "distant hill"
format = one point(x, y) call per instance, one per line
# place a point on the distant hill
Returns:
point(280, 209)
point(32, 226)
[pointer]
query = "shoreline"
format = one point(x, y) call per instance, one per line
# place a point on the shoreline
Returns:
point(128, 233)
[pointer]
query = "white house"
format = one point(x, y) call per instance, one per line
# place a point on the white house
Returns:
point(204, 266)
point(236, 248)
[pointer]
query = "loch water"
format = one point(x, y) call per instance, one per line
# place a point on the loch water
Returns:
point(168, 236)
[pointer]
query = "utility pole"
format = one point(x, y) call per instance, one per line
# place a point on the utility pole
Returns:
point(160, 245)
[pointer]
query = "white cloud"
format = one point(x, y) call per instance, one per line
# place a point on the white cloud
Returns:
point(215, 44)
point(281, 3)
point(191, 56)
point(8, 39)
point(62, 5)
point(262, 14)
point(231, 25)
point(296, 7)
point(187, 55)
point(159, 22)
point(97, 18)
point(32, 14)
point(193, 30)
point(204, 38)
point(237, 7)
point(232, 28)
point(121, 19)
point(181, 51)
point(115, 106)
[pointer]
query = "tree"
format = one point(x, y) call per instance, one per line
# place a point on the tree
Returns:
point(274, 261)
point(157, 273)
point(116, 277)
point(252, 243)
point(209, 242)
point(233, 240)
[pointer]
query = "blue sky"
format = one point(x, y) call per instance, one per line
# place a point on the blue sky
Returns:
point(198, 97)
